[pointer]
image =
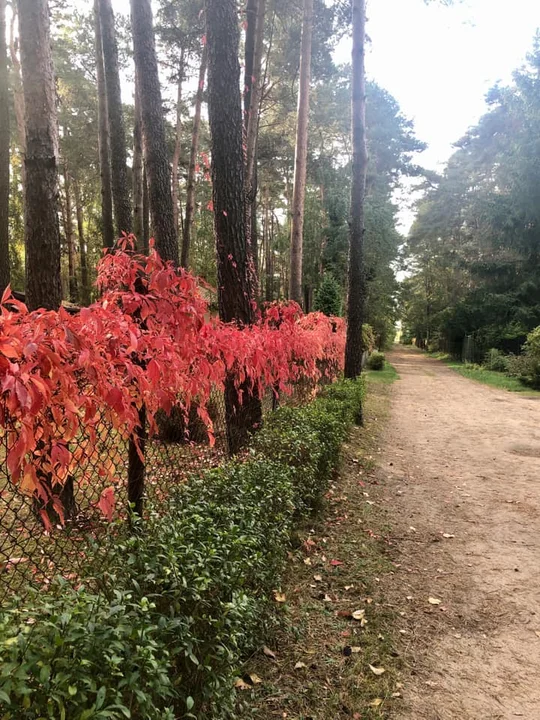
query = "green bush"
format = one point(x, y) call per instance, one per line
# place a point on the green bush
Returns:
point(495, 360)
point(76, 654)
point(176, 604)
point(526, 367)
point(328, 296)
point(376, 361)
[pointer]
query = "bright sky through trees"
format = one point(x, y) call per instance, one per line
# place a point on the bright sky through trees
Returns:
point(439, 61)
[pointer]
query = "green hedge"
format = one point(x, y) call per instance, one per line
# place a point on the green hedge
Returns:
point(168, 612)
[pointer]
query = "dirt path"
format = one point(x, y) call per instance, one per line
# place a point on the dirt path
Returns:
point(463, 459)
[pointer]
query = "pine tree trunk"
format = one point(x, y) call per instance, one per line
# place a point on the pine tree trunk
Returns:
point(190, 193)
point(155, 145)
point(146, 215)
point(357, 278)
point(235, 274)
point(4, 154)
point(18, 95)
point(107, 223)
point(300, 162)
point(42, 232)
point(117, 132)
point(252, 127)
point(42, 202)
point(85, 279)
point(138, 173)
point(177, 148)
point(68, 229)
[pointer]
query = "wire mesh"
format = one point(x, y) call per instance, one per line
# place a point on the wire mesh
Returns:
point(32, 555)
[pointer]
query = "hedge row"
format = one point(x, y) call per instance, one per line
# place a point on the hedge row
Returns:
point(160, 627)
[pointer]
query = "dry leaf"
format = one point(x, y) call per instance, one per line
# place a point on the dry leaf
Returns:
point(356, 649)
point(240, 684)
point(448, 535)
point(376, 703)
point(377, 670)
point(300, 665)
point(327, 598)
point(317, 578)
point(279, 597)
point(434, 601)
point(269, 653)
point(349, 587)
point(255, 679)
point(307, 561)
point(359, 614)
point(335, 563)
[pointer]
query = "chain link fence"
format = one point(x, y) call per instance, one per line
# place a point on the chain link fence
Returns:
point(31, 554)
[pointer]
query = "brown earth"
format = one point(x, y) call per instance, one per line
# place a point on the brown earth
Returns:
point(463, 460)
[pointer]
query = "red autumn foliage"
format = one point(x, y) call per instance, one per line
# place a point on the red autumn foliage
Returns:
point(146, 341)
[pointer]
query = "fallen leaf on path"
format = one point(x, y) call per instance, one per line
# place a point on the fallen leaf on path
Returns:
point(434, 601)
point(377, 670)
point(269, 653)
point(279, 597)
point(448, 535)
point(317, 578)
point(300, 665)
point(255, 679)
point(376, 703)
point(335, 563)
point(359, 614)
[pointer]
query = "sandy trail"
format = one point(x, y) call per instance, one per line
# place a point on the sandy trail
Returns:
point(464, 459)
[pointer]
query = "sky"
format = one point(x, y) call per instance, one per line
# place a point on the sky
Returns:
point(439, 61)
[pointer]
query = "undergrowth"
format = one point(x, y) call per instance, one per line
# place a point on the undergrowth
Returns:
point(167, 613)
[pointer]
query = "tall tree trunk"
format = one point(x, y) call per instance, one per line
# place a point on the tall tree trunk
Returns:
point(4, 153)
point(300, 161)
point(138, 172)
point(41, 191)
point(155, 145)
point(177, 147)
point(146, 214)
point(18, 95)
point(85, 279)
point(42, 232)
point(357, 277)
point(252, 128)
point(249, 54)
point(117, 132)
point(107, 223)
point(269, 259)
point(68, 229)
point(190, 193)
point(235, 274)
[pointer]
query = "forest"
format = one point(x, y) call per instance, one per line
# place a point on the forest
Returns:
point(203, 264)
point(473, 248)
point(102, 173)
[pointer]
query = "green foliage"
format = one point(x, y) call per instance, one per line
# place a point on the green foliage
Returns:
point(495, 360)
point(376, 361)
point(474, 245)
point(526, 367)
point(328, 297)
point(169, 611)
point(77, 654)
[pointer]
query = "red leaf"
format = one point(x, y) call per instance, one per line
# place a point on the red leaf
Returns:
point(107, 503)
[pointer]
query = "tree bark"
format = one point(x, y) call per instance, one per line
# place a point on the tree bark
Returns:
point(177, 147)
point(190, 193)
point(249, 54)
point(42, 232)
point(138, 173)
point(4, 154)
point(107, 223)
point(69, 231)
point(300, 161)
point(85, 279)
point(252, 128)
point(146, 215)
point(357, 277)
point(235, 272)
point(117, 132)
point(155, 145)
